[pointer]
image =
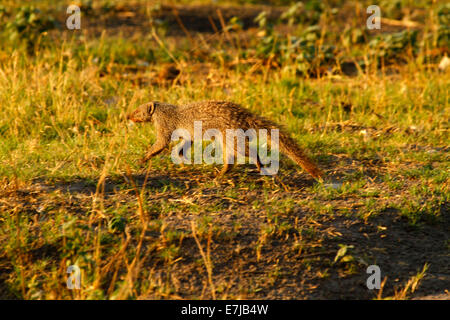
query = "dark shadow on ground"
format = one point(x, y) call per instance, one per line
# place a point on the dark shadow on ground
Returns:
point(180, 179)
point(399, 249)
point(386, 239)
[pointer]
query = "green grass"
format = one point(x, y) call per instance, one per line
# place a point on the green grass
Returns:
point(72, 192)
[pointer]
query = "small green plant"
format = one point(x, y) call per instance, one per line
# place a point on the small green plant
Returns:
point(305, 52)
point(443, 30)
point(309, 54)
point(3, 13)
point(294, 13)
point(29, 25)
point(234, 24)
point(117, 224)
point(392, 46)
point(343, 254)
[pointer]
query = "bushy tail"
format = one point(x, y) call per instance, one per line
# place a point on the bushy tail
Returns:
point(290, 148)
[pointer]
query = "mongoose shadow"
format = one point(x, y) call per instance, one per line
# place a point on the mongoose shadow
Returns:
point(182, 180)
point(113, 184)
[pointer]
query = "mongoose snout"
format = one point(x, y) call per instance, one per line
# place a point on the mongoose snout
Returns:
point(143, 113)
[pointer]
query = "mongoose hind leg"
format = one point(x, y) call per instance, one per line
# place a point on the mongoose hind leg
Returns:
point(228, 163)
point(251, 157)
point(258, 163)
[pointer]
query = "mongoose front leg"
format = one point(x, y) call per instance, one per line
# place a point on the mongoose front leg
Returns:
point(225, 169)
point(156, 148)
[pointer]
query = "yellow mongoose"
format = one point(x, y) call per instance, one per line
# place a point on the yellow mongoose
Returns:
point(219, 115)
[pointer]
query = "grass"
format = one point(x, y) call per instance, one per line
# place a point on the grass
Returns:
point(71, 191)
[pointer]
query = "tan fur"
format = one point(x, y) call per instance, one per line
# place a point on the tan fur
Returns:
point(220, 115)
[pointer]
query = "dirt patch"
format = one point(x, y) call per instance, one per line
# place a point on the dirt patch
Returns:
point(206, 18)
point(176, 20)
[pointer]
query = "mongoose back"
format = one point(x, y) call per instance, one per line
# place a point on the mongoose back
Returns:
point(220, 115)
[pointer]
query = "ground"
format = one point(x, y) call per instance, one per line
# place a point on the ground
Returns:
point(72, 192)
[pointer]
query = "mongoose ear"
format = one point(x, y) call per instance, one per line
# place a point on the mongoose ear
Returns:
point(151, 108)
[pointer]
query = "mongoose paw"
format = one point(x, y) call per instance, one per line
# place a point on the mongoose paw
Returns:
point(219, 180)
point(220, 176)
point(143, 162)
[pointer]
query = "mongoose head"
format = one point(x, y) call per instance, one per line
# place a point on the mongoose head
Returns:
point(143, 113)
